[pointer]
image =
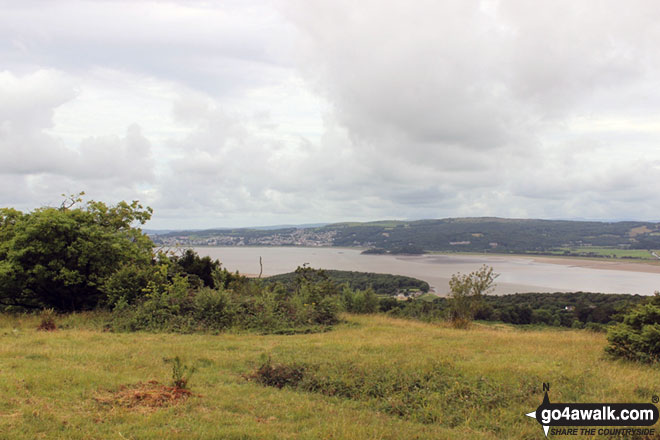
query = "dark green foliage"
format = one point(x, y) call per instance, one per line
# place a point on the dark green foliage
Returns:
point(278, 376)
point(382, 284)
point(128, 283)
point(200, 268)
point(590, 310)
point(493, 235)
point(175, 304)
point(359, 301)
point(559, 309)
point(62, 257)
point(638, 336)
point(435, 310)
point(321, 286)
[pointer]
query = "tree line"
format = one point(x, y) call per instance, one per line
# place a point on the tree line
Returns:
point(94, 256)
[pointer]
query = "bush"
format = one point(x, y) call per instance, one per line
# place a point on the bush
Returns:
point(359, 301)
point(174, 304)
point(202, 269)
point(213, 308)
point(638, 336)
point(128, 284)
point(466, 293)
point(60, 258)
point(278, 376)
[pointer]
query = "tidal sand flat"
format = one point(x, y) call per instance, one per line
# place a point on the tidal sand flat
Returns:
point(517, 273)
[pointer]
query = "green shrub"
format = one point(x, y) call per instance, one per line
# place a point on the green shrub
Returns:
point(638, 336)
point(466, 292)
point(60, 258)
point(176, 305)
point(595, 327)
point(278, 376)
point(200, 269)
point(327, 311)
point(359, 301)
point(213, 308)
point(128, 283)
point(181, 373)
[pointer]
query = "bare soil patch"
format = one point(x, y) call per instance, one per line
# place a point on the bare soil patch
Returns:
point(151, 394)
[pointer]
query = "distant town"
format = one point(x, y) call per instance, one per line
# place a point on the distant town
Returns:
point(295, 237)
point(618, 240)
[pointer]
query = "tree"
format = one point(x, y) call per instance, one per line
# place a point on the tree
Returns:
point(203, 268)
point(61, 257)
point(466, 292)
point(638, 336)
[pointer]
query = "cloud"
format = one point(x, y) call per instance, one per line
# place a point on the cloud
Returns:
point(286, 111)
point(27, 105)
point(34, 162)
point(477, 98)
point(224, 49)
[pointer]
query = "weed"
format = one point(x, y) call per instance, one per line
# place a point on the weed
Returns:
point(47, 323)
point(180, 373)
point(278, 376)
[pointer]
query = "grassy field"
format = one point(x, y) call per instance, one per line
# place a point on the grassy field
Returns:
point(641, 254)
point(59, 385)
point(581, 253)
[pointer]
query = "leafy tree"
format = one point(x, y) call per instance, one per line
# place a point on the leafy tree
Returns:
point(203, 268)
point(466, 292)
point(62, 257)
point(638, 336)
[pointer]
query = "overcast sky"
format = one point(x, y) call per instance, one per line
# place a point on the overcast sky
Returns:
point(245, 113)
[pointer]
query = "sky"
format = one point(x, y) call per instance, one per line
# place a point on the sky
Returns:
point(265, 112)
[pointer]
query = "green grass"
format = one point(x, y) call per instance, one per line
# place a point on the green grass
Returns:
point(605, 254)
point(429, 297)
point(481, 381)
point(641, 254)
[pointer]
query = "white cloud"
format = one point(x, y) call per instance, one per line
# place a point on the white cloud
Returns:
point(285, 111)
point(42, 165)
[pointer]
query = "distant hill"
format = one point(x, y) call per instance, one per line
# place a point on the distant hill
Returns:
point(482, 234)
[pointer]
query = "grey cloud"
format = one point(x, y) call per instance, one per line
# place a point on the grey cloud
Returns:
point(433, 108)
point(470, 95)
point(125, 161)
point(27, 104)
point(225, 50)
point(37, 166)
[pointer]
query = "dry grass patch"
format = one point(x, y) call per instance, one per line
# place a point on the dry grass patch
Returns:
point(148, 395)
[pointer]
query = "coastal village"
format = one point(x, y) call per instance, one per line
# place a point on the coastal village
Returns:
point(288, 237)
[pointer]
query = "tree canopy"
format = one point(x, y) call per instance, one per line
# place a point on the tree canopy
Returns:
point(61, 257)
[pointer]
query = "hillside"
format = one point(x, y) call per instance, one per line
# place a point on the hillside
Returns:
point(572, 238)
point(476, 384)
